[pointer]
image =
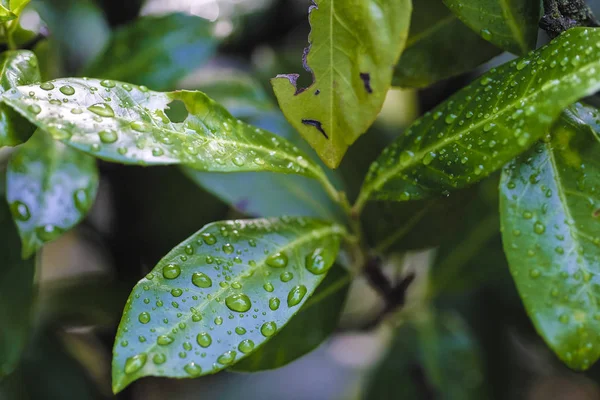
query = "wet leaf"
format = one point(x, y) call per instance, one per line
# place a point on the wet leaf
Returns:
point(219, 295)
point(487, 123)
point(439, 46)
point(50, 188)
point(550, 216)
point(18, 68)
point(156, 51)
point(315, 322)
point(129, 124)
point(509, 24)
point(353, 48)
point(16, 294)
point(433, 357)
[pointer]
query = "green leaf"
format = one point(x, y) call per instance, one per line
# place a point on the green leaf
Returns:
point(129, 124)
point(5, 13)
point(16, 294)
point(156, 51)
point(550, 207)
point(509, 24)
point(17, 68)
point(353, 48)
point(433, 357)
point(17, 6)
point(50, 188)
point(489, 122)
point(439, 46)
point(317, 320)
point(219, 295)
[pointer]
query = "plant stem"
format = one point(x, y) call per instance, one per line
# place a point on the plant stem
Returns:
point(560, 15)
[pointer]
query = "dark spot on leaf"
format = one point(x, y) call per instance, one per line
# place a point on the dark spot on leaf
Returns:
point(242, 205)
point(317, 92)
point(316, 124)
point(366, 78)
point(596, 214)
point(176, 111)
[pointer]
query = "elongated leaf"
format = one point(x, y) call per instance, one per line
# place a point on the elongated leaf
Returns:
point(510, 24)
point(353, 48)
point(550, 205)
point(17, 68)
point(317, 319)
point(156, 51)
point(434, 357)
point(487, 123)
point(16, 294)
point(128, 124)
point(5, 13)
point(439, 46)
point(219, 295)
point(50, 188)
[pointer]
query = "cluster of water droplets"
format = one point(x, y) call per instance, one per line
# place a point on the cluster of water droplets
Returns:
point(220, 288)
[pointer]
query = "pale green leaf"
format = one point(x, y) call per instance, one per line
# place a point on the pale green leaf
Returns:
point(353, 48)
point(50, 188)
point(489, 122)
point(509, 24)
point(129, 124)
point(550, 206)
point(439, 46)
point(219, 295)
point(317, 319)
point(156, 51)
point(16, 68)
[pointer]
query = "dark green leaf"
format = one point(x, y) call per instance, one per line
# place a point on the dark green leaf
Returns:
point(17, 68)
point(487, 123)
point(550, 206)
point(353, 48)
point(219, 295)
point(50, 188)
point(317, 319)
point(16, 294)
point(156, 51)
point(439, 46)
point(433, 357)
point(129, 124)
point(510, 24)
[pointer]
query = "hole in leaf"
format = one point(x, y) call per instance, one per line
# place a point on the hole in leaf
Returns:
point(176, 111)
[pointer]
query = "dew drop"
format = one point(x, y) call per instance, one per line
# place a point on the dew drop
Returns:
point(274, 303)
point(67, 90)
point(203, 339)
point(34, 108)
point(20, 211)
point(209, 238)
point(277, 260)
point(296, 295)
point(171, 271)
point(108, 136)
point(238, 302)
point(164, 340)
point(47, 86)
point(201, 280)
point(315, 262)
point(102, 109)
point(144, 317)
point(159, 359)
point(193, 369)
point(246, 346)
point(227, 358)
point(135, 363)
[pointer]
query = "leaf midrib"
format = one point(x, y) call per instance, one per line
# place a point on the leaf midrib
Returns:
point(314, 234)
point(382, 179)
point(510, 19)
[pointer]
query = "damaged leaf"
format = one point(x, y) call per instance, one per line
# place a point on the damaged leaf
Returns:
point(353, 48)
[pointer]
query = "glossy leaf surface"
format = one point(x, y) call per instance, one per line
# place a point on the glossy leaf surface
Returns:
point(439, 46)
point(353, 48)
point(17, 68)
point(434, 357)
point(129, 124)
point(156, 51)
point(487, 123)
point(315, 322)
point(16, 294)
point(50, 188)
point(511, 25)
point(219, 295)
point(550, 206)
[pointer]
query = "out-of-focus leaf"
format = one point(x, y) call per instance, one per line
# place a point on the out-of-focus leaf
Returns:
point(17, 6)
point(5, 13)
point(201, 308)
point(18, 68)
point(129, 124)
point(509, 24)
point(317, 319)
point(50, 188)
point(439, 46)
point(353, 48)
point(550, 206)
point(156, 51)
point(16, 293)
point(433, 357)
point(78, 30)
point(487, 123)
